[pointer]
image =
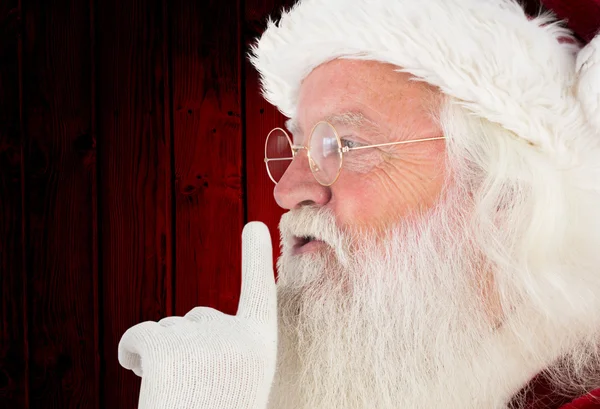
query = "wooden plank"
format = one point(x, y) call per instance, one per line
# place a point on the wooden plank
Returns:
point(60, 155)
point(135, 186)
point(260, 118)
point(98, 341)
point(13, 321)
point(208, 153)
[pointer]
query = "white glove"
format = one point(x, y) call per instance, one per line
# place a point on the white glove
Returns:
point(207, 359)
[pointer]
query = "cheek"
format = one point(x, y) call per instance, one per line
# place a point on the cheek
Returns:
point(359, 202)
point(389, 192)
point(368, 202)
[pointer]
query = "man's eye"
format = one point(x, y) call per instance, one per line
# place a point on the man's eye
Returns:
point(350, 144)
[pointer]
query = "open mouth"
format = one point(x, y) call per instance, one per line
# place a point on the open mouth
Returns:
point(301, 241)
point(303, 244)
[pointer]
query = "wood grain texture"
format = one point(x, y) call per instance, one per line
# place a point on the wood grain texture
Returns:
point(208, 153)
point(134, 168)
point(60, 158)
point(13, 327)
point(260, 118)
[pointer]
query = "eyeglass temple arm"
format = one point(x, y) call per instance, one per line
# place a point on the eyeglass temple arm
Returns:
point(294, 150)
point(346, 149)
point(275, 159)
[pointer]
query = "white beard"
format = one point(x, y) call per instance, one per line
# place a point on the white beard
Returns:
point(395, 323)
point(454, 309)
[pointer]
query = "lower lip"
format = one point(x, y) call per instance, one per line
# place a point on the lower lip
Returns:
point(309, 247)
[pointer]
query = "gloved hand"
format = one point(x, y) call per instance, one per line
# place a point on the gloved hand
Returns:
point(207, 359)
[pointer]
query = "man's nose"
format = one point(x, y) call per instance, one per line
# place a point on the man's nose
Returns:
point(298, 187)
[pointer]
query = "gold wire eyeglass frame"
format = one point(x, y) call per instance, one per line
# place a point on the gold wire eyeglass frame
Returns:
point(341, 150)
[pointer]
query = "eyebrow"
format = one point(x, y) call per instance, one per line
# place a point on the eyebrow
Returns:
point(351, 118)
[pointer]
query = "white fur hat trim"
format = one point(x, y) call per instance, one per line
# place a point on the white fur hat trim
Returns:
point(487, 54)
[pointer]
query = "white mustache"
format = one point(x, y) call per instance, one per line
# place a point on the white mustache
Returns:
point(309, 222)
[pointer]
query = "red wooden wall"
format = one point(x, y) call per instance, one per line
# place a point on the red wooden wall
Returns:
point(131, 143)
point(131, 136)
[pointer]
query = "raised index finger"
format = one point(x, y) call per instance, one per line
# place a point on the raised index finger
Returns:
point(258, 299)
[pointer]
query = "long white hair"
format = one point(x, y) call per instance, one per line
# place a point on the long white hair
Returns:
point(536, 218)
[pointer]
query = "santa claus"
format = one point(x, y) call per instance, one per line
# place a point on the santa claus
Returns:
point(441, 168)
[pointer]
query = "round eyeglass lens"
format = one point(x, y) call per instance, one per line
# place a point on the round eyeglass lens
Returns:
point(325, 153)
point(278, 151)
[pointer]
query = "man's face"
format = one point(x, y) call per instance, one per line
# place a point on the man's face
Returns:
point(368, 103)
point(389, 305)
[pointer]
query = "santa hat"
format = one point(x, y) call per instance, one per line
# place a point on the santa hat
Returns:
point(500, 64)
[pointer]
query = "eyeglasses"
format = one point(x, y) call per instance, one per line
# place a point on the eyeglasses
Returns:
point(324, 150)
